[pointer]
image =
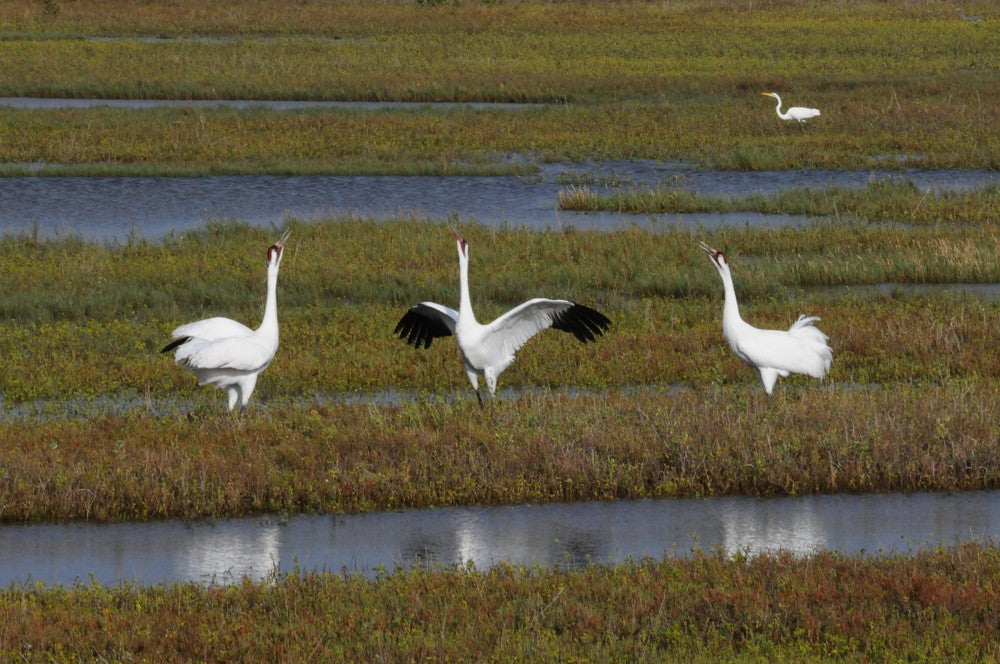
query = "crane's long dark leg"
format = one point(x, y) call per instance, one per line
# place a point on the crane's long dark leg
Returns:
point(480, 397)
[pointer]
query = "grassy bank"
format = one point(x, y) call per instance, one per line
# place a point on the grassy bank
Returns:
point(712, 133)
point(351, 348)
point(900, 201)
point(517, 51)
point(647, 443)
point(84, 320)
point(631, 80)
point(937, 605)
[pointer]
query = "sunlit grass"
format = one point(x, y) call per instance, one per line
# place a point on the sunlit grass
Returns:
point(880, 200)
point(84, 320)
point(636, 80)
point(936, 605)
point(813, 438)
point(447, 141)
point(519, 51)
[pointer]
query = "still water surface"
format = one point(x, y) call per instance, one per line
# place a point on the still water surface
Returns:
point(103, 208)
point(50, 103)
point(563, 534)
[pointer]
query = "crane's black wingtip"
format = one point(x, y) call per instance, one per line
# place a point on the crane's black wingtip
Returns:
point(582, 322)
point(420, 326)
point(175, 343)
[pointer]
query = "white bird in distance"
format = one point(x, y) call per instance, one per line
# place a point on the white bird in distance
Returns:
point(489, 349)
point(799, 113)
point(228, 354)
point(801, 349)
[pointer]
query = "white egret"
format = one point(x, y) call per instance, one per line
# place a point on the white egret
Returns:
point(802, 349)
point(489, 349)
point(799, 113)
point(228, 354)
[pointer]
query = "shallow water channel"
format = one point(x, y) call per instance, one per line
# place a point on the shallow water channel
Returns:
point(51, 103)
point(564, 534)
point(103, 208)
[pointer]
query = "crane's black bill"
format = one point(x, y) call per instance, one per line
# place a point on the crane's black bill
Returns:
point(421, 325)
point(175, 343)
point(582, 322)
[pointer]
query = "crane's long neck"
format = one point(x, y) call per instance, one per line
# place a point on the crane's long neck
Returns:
point(269, 326)
point(731, 308)
point(465, 304)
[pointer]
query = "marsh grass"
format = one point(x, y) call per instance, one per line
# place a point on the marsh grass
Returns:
point(935, 605)
point(84, 320)
point(649, 84)
point(428, 140)
point(524, 51)
point(347, 458)
point(880, 200)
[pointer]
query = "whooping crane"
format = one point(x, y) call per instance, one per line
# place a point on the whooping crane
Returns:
point(799, 113)
point(489, 349)
point(228, 354)
point(802, 349)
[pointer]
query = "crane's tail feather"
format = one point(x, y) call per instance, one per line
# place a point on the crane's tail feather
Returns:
point(803, 328)
point(815, 340)
point(804, 320)
point(582, 322)
point(175, 343)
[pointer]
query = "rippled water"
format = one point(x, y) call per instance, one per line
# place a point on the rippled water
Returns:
point(101, 208)
point(564, 534)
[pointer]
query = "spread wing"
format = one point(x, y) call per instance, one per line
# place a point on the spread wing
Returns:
point(425, 322)
point(512, 330)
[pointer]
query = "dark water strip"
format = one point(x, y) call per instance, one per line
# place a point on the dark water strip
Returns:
point(983, 291)
point(212, 402)
point(51, 103)
point(104, 208)
point(567, 535)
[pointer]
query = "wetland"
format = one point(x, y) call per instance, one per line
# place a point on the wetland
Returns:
point(879, 217)
point(554, 535)
point(108, 208)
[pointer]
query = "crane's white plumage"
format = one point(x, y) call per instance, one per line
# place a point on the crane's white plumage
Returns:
point(489, 349)
point(228, 354)
point(799, 113)
point(801, 349)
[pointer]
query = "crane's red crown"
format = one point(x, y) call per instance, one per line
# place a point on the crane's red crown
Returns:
point(718, 257)
point(462, 244)
point(277, 247)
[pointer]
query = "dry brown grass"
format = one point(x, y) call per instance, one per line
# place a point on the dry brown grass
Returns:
point(934, 606)
point(538, 448)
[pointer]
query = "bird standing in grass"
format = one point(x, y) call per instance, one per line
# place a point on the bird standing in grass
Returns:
point(228, 354)
point(799, 113)
point(801, 349)
point(489, 349)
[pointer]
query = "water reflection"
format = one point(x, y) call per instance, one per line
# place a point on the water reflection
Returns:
point(101, 208)
point(226, 553)
point(565, 535)
point(751, 528)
